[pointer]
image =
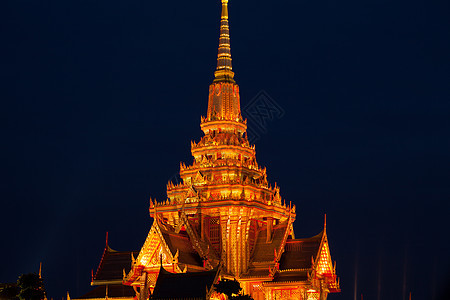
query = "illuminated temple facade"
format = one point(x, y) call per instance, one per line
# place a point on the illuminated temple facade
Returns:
point(225, 218)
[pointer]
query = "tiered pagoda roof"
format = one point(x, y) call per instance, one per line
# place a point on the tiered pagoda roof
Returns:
point(192, 286)
point(112, 265)
point(181, 243)
point(223, 213)
point(300, 253)
point(108, 277)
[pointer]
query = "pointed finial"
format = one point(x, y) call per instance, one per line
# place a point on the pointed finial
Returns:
point(68, 296)
point(92, 275)
point(224, 14)
point(40, 270)
point(224, 69)
point(106, 239)
point(325, 222)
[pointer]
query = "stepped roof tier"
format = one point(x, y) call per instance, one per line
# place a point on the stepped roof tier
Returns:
point(193, 285)
point(107, 280)
point(112, 265)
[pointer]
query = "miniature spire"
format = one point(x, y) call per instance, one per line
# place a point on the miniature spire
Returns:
point(40, 270)
point(224, 70)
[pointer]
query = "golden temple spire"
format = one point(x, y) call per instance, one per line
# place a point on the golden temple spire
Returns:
point(224, 69)
point(224, 100)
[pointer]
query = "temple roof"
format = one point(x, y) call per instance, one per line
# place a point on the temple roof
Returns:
point(298, 252)
point(112, 264)
point(256, 273)
point(181, 243)
point(192, 285)
point(114, 291)
point(264, 251)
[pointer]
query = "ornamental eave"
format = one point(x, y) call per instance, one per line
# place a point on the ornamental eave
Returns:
point(234, 148)
point(218, 167)
point(211, 187)
point(103, 282)
point(294, 270)
point(255, 277)
point(285, 283)
point(209, 124)
point(208, 204)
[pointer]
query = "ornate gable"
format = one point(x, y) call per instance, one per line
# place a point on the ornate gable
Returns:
point(153, 249)
point(323, 265)
point(323, 269)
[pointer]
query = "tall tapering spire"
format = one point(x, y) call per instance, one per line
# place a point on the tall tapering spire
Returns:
point(224, 101)
point(224, 69)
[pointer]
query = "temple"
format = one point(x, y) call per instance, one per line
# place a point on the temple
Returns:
point(224, 219)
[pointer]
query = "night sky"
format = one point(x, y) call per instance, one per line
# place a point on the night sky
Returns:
point(100, 100)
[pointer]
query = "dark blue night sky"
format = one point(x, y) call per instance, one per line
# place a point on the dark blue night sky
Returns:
point(100, 100)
